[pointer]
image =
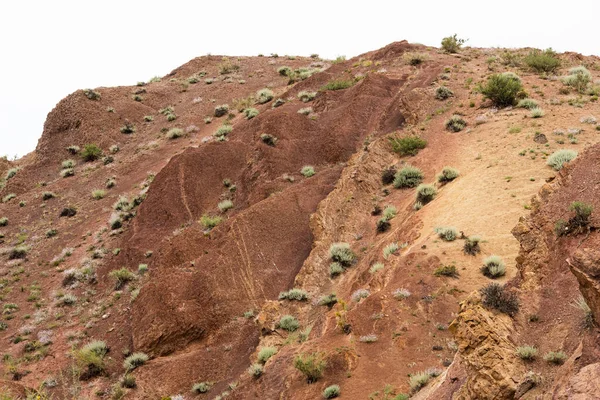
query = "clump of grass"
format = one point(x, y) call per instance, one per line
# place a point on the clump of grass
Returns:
point(555, 357)
point(121, 276)
point(578, 78)
point(90, 152)
point(582, 214)
point(98, 194)
point(528, 353)
point(11, 173)
point(498, 297)
point(264, 95)
point(128, 128)
point(527, 103)
point(408, 177)
point(284, 70)
point(135, 360)
point(305, 110)
point(537, 112)
point(225, 205)
point(401, 293)
point(48, 196)
point(311, 365)
point(51, 233)
point(383, 225)
point(307, 171)
point(448, 174)
point(4, 221)
point(442, 93)
point(408, 145)
point(342, 253)
point(471, 245)
point(294, 294)
point(331, 392)
point(418, 381)
point(414, 58)
point(223, 131)
point(8, 197)
point(376, 267)
point(338, 84)
point(387, 176)
point(448, 234)
point(306, 96)
point(542, 61)
point(452, 44)
point(425, 193)
point(288, 323)
point(221, 110)
point(360, 294)
point(73, 149)
point(583, 306)
point(209, 222)
point(327, 300)
point(91, 94)
point(557, 159)
point(335, 269)
point(493, 267)
point(390, 249)
point(250, 113)
point(503, 89)
point(255, 371)
point(389, 212)
point(455, 123)
point(175, 133)
point(267, 139)
point(201, 387)
point(265, 353)
point(368, 338)
point(91, 357)
point(446, 270)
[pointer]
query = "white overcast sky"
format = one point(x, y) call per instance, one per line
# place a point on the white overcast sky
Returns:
point(51, 48)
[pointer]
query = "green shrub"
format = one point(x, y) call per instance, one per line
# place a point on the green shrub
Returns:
point(447, 233)
point(284, 71)
point(555, 357)
point(528, 104)
point(289, 323)
point(471, 245)
point(306, 96)
point(448, 174)
point(175, 133)
point(267, 139)
point(221, 110)
point(98, 194)
point(201, 387)
point(90, 152)
point(223, 131)
point(68, 164)
point(414, 58)
point(135, 360)
point(128, 381)
point(255, 370)
point(537, 112)
point(582, 213)
point(225, 205)
point(209, 222)
point(11, 173)
point(265, 353)
point(452, 44)
point(503, 89)
point(526, 352)
point(331, 392)
point(311, 365)
point(73, 149)
point(542, 61)
point(390, 249)
point(408, 145)
point(338, 84)
point(122, 277)
point(418, 381)
point(3, 221)
point(342, 254)
point(557, 159)
point(91, 357)
point(250, 113)
point(51, 233)
point(425, 193)
point(442, 93)
point(408, 177)
point(128, 128)
point(389, 212)
point(294, 294)
point(327, 300)
point(578, 78)
point(498, 297)
point(264, 95)
point(335, 269)
point(446, 270)
point(376, 267)
point(91, 94)
point(493, 267)
point(455, 123)
point(307, 171)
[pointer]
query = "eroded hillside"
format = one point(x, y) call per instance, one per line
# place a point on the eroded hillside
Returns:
point(191, 255)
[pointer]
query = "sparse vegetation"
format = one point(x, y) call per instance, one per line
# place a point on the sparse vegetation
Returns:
point(305, 110)
point(555, 357)
point(390, 249)
point(452, 44)
point(338, 84)
point(264, 95)
point(267, 139)
point(91, 357)
point(201, 387)
point(91, 94)
point(527, 103)
point(225, 205)
point(306, 96)
point(582, 305)
point(498, 297)
point(307, 171)
point(3, 221)
point(471, 245)
point(331, 392)
point(418, 381)
point(175, 133)
point(255, 370)
point(121, 276)
point(294, 294)
point(446, 270)
point(542, 61)
point(250, 113)
point(128, 128)
point(342, 254)
point(98, 194)
point(557, 159)
point(408, 177)
point(209, 222)
point(448, 174)
point(90, 152)
point(448, 234)
point(528, 353)
point(537, 112)
point(11, 173)
point(414, 58)
point(503, 89)
point(442, 93)
point(455, 123)
point(134, 361)
point(221, 110)
point(311, 365)
point(493, 267)
point(425, 193)
point(265, 353)
point(360, 294)
point(578, 78)
point(408, 145)
point(288, 323)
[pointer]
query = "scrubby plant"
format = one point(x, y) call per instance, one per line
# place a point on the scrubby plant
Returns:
point(331, 392)
point(425, 193)
point(128, 128)
point(527, 103)
point(294, 294)
point(175, 133)
point(284, 70)
point(221, 110)
point(209, 222)
point(250, 113)
point(264, 95)
point(360, 294)
point(305, 110)
point(265, 353)
point(338, 84)
point(98, 194)
point(91, 94)
point(288, 323)
point(401, 293)
point(223, 131)
point(414, 58)
point(583, 306)
point(11, 173)
point(135, 360)
point(342, 254)
point(471, 245)
point(407, 145)
point(51, 233)
point(306, 96)
point(498, 297)
point(90, 152)
point(528, 353)
point(493, 267)
point(503, 89)
point(442, 93)
point(376, 267)
point(390, 249)
point(311, 365)
point(335, 269)
point(3, 221)
point(582, 213)
point(537, 112)
point(455, 123)
point(555, 357)
point(557, 159)
point(448, 174)
point(278, 102)
point(446, 270)
point(452, 44)
point(255, 370)
point(447, 233)
point(327, 300)
point(408, 177)
point(389, 212)
point(578, 78)
point(73, 149)
point(542, 61)
point(8, 197)
point(387, 176)
point(128, 381)
point(201, 387)
point(225, 205)
point(307, 171)
point(65, 173)
point(18, 252)
point(267, 139)
point(121, 276)
point(418, 381)
point(383, 225)
point(91, 357)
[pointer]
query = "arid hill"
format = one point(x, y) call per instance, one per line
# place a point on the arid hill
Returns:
point(413, 222)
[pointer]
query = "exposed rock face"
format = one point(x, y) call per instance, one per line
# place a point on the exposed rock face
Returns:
point(584, 385)
point(585, 265)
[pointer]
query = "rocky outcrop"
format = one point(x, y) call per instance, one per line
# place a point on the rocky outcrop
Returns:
point(585, 265)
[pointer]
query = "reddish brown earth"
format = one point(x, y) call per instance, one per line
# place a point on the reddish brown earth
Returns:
point(187, 311)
